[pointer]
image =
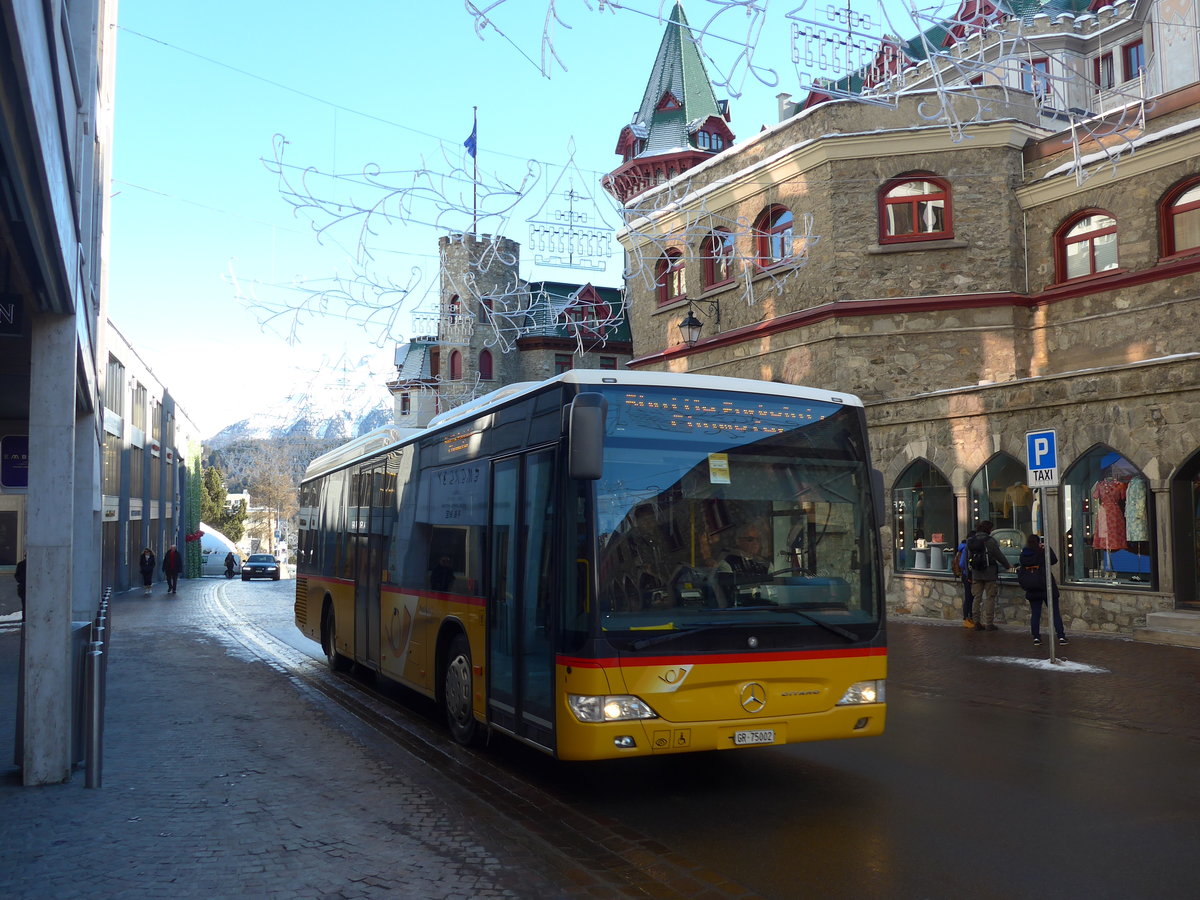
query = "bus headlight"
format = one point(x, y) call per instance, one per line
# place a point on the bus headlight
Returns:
point(608, 708)
point(864, 692)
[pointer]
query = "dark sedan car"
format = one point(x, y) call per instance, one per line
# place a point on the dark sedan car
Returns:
point(260, 565)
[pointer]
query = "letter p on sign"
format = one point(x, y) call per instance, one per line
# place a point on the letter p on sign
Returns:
point(1041, 463)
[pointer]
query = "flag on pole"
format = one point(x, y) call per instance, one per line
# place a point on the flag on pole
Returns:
point(469, 143)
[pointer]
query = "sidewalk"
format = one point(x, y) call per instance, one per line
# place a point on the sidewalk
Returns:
point(220, 779)
point(223, 777)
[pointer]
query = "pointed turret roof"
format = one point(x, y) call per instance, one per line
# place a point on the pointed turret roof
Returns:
point(678, 94)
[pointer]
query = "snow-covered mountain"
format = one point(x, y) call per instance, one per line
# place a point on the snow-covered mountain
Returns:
point(337, 401)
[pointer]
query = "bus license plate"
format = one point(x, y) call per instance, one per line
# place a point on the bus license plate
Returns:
point(759, 736)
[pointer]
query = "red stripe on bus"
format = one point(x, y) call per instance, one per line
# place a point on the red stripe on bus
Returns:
point(617, 662)
point(465, 599)
point(327, 579)
point(395, 589)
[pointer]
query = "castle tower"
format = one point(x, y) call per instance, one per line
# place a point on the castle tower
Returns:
point(481, 295)
point(680, 122)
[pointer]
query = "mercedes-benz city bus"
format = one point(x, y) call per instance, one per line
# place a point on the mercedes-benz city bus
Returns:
point(610, 564)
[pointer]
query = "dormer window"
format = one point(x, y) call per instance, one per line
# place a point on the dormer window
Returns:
point(702, 140)
point(668, 102)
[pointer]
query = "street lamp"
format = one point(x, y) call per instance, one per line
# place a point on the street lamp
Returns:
point(690, 327)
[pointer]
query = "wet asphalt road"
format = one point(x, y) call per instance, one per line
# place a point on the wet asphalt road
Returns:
point(997, 777)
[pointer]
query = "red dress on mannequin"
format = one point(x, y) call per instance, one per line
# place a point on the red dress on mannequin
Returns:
point(1109, 497)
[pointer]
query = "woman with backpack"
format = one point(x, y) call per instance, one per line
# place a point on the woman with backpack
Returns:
point(1031, 575)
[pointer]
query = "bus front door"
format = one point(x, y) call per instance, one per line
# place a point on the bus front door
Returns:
point(520, 652)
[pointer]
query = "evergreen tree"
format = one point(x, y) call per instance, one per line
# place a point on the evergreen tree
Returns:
point(214, 506)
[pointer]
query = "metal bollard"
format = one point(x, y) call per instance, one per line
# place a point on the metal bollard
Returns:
point(95, 714)
point(96, 669)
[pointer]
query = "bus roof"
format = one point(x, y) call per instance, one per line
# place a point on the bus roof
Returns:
point(374, 441)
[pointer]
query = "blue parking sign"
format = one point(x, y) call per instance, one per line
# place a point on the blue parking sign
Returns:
point(1041, 458)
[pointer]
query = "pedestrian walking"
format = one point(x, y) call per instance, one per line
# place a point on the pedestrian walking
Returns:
point(19, 574)
point(1031, 576)
point(172, 566)
point(985, 560)
point(146, 567)
point(958, 565)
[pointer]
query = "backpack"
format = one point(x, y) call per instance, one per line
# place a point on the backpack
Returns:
point(978, 557)
point(956, 561)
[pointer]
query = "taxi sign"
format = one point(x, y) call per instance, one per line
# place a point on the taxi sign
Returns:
point(1041, 458)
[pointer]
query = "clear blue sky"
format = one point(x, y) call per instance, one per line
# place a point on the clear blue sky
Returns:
point(203, 242)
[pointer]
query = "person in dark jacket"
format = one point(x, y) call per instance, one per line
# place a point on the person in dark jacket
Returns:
point(19, 574)
point(146, 567)
point(172, 566)
point(1031, 575)
point(985, 582)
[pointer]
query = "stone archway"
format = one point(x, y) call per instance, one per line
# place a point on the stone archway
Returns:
point(1185, 533)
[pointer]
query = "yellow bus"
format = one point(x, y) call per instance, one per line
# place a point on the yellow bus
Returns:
point(610, 564)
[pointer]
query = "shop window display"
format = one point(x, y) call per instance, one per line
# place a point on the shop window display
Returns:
point(923, 519)
point(1107, 510)
point(999, 493)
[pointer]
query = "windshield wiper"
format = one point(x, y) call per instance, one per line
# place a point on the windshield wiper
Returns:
point(672, 635)
point(680, 632)
point(828, 626)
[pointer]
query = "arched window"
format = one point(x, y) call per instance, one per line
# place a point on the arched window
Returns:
point(717, 251)
point(915, 209)
point(702, 140)
point(455, 366)
point(453, 307)
point(1108, 521)
point(668, 276)
point(485, 365)
point(999, 494)
point(923, 519)
point(773, 232)
point(1179, 217)
point(1086, 244)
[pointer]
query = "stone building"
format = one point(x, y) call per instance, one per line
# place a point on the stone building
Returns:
point(493, 328)
point(1025, 260)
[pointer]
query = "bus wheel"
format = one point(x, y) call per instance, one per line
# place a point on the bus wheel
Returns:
point(337, 662)
point(457, 691)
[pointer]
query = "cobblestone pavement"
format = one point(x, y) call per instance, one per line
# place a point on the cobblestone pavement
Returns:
point(223, 777)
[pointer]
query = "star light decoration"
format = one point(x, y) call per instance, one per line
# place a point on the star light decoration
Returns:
point(440, 196)
point(854, 51)
point(660, 231)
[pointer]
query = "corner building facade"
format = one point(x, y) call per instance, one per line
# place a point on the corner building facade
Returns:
point(969, 291)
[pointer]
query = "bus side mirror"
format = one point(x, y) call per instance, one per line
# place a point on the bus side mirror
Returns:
point(585, 436)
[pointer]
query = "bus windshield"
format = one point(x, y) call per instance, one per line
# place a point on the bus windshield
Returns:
point(721, 510)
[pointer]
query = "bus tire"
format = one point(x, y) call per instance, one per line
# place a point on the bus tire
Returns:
point(457, 692)
point(337, 662)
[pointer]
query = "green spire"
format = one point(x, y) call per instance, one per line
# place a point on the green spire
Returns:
point(678, 71)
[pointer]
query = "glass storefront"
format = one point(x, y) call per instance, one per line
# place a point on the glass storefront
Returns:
point(923, 519)
point(1108, 521)
point(999, 494)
